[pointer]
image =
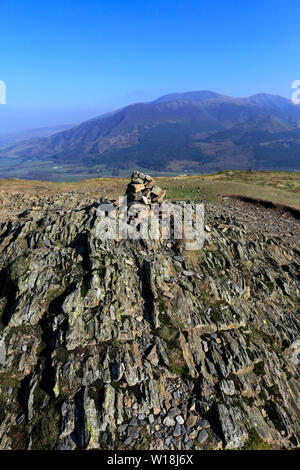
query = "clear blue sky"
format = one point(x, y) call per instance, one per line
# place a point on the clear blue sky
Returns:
point(78, 58)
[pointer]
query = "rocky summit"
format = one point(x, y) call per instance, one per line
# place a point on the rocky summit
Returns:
point(140, 344)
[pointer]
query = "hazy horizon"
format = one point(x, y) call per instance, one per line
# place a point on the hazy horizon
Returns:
point(15, 118)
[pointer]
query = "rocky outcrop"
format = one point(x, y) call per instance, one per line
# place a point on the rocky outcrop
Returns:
point(118, 344)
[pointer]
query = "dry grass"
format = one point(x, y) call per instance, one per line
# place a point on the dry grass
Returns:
point(278, 187)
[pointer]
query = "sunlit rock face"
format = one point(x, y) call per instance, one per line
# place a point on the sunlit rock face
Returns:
point(125, 344)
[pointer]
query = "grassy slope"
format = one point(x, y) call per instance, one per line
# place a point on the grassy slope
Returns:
point(278, 187)
point(275, 186)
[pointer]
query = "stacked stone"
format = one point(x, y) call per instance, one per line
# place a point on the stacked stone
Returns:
point(142, 190)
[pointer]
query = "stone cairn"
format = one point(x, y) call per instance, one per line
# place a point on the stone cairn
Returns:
point(143, 193)
point(142, 190)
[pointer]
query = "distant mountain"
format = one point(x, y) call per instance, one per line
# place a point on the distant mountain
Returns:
point(10, 138)
point(197, 96)
point(194, 131)
point(275, 103)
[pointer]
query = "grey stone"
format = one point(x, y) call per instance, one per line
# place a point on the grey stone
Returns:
point(133, 422)
point(183, 430)
point(133, 432)
point(177, 431)
point(203, 423)
point(2, 352)
point(122, 428)
point(173, 412)
point(175, 444)
point(202, 436)
point(179, 419)
point(227, 387)
point(169, 421)
point(233, 428)
point(68, 419)
point(127, 441)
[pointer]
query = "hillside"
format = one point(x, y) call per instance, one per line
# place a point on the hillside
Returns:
point(143, 344)
point(194, 131)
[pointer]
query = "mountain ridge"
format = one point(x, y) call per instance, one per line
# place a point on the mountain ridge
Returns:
point(174, 128)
